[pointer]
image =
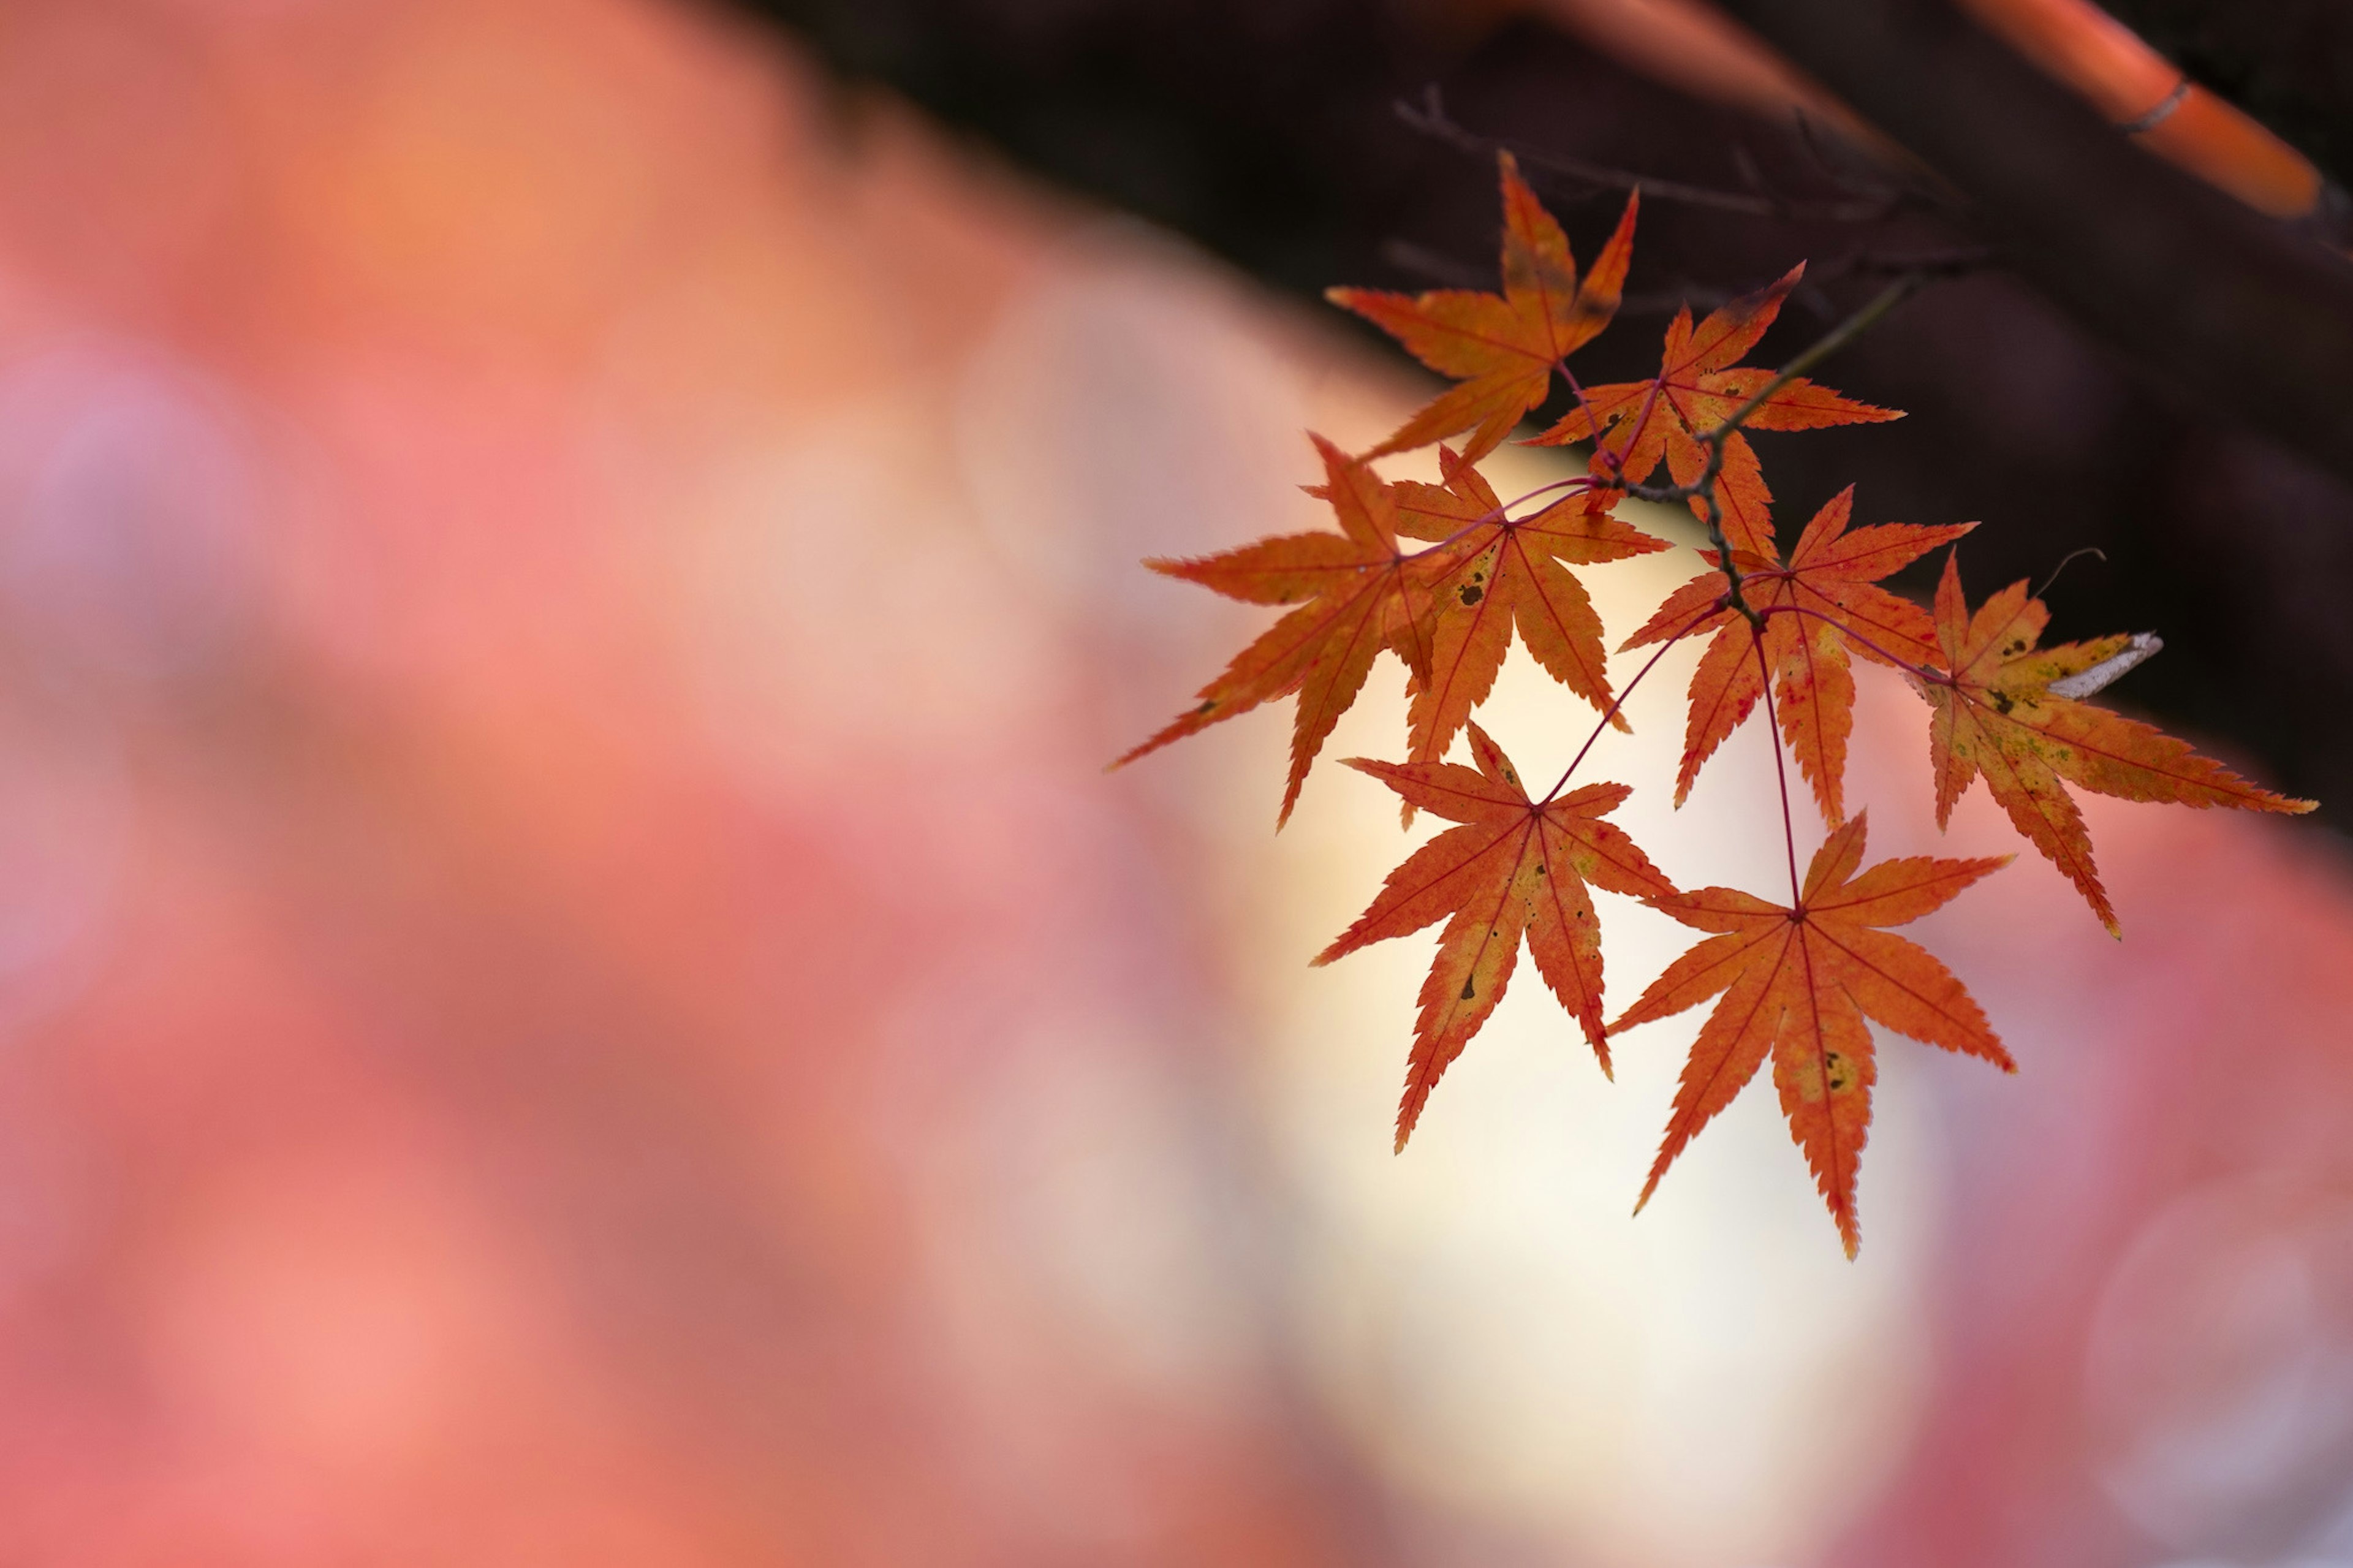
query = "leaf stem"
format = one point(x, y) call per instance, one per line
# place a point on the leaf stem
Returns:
point(1703, 488)
point(1572, 482)
point(1620, 701)
point(1613, 461)
point(1781, 773)
point(1828, 343)
point(1500, 512)
point(1923, 672)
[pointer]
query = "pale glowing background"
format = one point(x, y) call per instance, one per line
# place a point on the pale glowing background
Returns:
point(573, 991)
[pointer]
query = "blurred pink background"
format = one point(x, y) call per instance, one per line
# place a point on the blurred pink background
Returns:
point(573, 991)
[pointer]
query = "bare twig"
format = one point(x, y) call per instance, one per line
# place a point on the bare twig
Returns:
point(1667, 301)
point(2064, 562)
point(1955, 262)
point(1958, 261)
point(2178, 275)
point(1435, 265)
point(1750, 174)
point(1429, 118)
point(1818, 149)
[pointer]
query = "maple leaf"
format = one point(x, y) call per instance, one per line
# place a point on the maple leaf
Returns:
point(2003, 708)
point(1504, 348)
point(1362, 594)
point(1496, 572)
point(1515, 866)
point(1698, 388)
point(1799, 982)
point(1820, 603)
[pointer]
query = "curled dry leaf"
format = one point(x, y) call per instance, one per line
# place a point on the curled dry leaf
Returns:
point(2002, 708)
point(2139, 647)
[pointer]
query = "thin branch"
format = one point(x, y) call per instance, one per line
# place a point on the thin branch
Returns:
point(1948, 261)
point(1495, 514)
point(1702, 488)
point(1435, 265)
point(1934, 677)
point(1667, 301)
point(2064, 560)
point(1953, 261)
point(1429, 118)
point(1818, 143)
point(1745, 164)
point(1828, 343)
point(2184, 278)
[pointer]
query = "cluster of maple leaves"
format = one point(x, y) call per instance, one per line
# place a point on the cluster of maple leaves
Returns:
point(1444, 575)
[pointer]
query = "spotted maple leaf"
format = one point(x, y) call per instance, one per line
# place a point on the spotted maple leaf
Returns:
point(1497, 572)
point(1514, 868)
point(1820, 603)
point(1797, 981)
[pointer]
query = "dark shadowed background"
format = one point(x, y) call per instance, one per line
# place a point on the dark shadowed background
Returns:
point(1269, 132)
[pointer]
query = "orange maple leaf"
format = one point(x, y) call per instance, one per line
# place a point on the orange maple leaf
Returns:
point(2003, 708)
point(1361, 593)
point(1635, 423)
point(1515, 866)
point(1799, 982)
point(1820, 603)
point(1497, 572)
point(1503, 348)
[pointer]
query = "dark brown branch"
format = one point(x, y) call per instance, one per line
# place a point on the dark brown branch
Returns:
point(1435, 267)
point(1429, 118)
point(1452, 272)
point(2245, 315)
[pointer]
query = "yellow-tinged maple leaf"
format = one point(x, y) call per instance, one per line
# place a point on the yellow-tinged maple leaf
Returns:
point(2003, 708)
point(1495, 572)
point(1799, 982)
point(1504, 348)
point(1515, 866)
point(1362, 594)
point(1698, 388)
point(1819, 604)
